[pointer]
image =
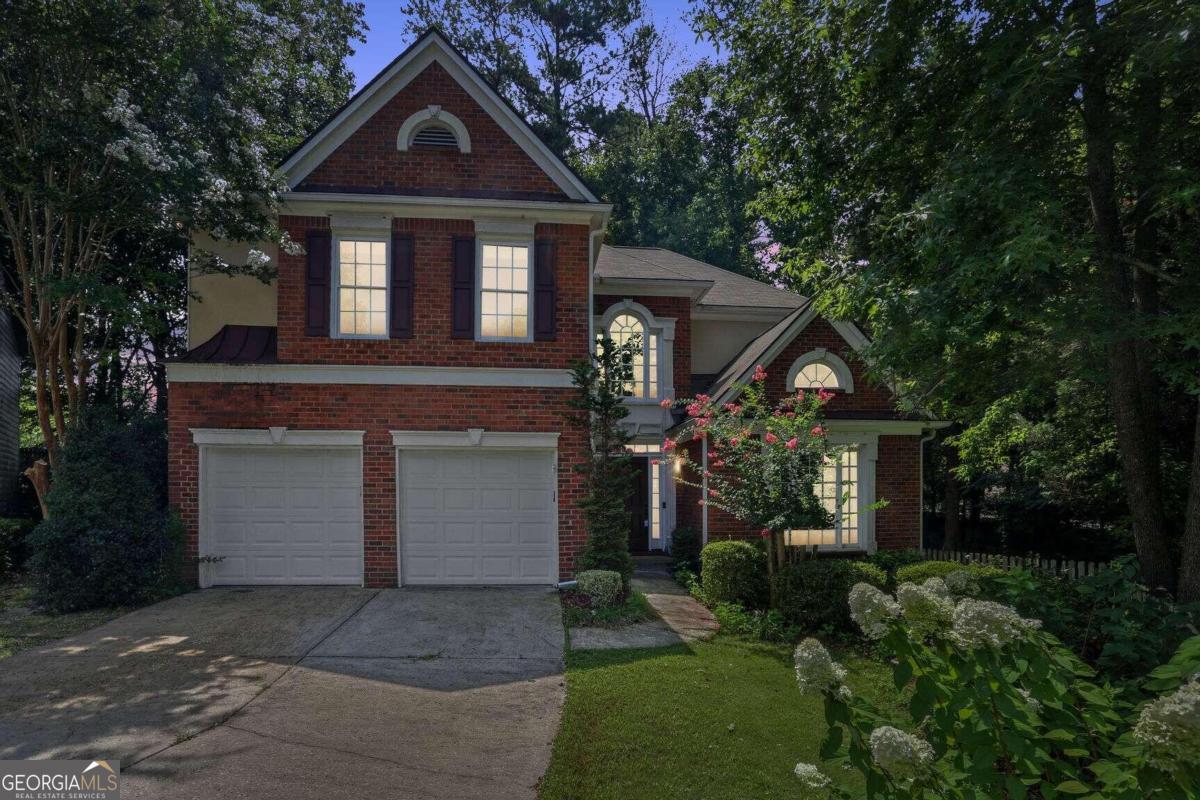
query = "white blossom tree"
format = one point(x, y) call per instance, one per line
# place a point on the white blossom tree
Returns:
point(127, 125)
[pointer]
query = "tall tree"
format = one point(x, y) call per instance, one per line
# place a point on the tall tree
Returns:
point(127, 125)
point(1006, 192)
point(676, 181)
point(556, 61)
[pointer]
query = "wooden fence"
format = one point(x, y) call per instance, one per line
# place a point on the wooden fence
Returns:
point(1068, 568)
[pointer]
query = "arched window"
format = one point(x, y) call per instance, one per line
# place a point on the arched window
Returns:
point(820, 369)
point(624, 328)
point(816, 375)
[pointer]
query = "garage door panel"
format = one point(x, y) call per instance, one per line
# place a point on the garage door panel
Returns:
point(500, 528)
point(283, 515)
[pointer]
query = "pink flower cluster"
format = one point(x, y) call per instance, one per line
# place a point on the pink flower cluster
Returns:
point(760, 374)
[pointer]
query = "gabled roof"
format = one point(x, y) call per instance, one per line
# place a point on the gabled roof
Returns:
point(429, 47)
point(717, 288)
point(768, 345)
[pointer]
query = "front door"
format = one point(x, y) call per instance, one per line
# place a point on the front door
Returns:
point(638, 505)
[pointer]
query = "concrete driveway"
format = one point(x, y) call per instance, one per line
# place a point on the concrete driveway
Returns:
point(303, 693)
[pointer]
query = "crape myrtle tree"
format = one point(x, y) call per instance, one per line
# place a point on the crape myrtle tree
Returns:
point(764, 461)
point(602, 384)
point(126, 126)
point(1004, 192)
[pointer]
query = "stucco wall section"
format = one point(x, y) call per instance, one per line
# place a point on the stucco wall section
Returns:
point(717, 342)
point(218, 300)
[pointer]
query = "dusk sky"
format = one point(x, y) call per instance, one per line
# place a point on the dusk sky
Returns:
point(386, 37)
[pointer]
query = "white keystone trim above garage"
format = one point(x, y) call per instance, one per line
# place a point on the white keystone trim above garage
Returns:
point(517, 378)
point(474, 437)
point(269, 437)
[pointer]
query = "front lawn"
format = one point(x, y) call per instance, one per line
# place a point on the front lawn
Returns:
point(705, 721)
point(22, 627)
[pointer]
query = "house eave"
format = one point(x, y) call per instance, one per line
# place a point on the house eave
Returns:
point(594, 215)
point(653, 287)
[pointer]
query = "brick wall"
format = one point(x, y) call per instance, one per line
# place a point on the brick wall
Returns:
point(369, 161)
point(376, 410)
point(431, 344)
point(677, 308)
point(897, 470)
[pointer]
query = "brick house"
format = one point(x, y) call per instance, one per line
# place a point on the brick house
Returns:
point(391, 409)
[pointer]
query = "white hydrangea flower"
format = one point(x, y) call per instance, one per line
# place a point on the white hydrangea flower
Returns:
point(815, 669)
point(844, 694)
point(1169, 727)
point(812, 778)
point(871, 609)
point(926, 610)
point(961, 583)
point(982, 623)
point(937, 586)
point(897, 751)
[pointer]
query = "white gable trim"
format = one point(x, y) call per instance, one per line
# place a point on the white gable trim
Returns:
point(428, 49)
point(847, 330)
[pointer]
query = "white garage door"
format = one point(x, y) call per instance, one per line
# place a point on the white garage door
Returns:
point(478, 516)
point(283, 515)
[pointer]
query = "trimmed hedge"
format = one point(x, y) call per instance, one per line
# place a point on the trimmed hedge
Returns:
point(918, 573)
point(734, 572)
point(814, 594)
point(685, 548)
point(602, 587)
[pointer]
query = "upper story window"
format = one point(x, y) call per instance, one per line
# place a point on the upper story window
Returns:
point(820, 369)
point(623, 328)
point(361, 277)
point(816, 376)
point(504, 288)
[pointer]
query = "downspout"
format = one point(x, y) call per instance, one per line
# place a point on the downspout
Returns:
point(704, 490)
point(925, 439)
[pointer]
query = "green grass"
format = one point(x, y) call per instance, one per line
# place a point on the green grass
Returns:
point(704, 721)
point(22, 627)
point(636, 608)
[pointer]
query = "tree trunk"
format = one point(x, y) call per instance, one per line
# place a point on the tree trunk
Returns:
point(951, 502)
point(1189, 564)
point(1137, 436)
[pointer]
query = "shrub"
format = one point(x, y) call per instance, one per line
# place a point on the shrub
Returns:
point(734, 572)
point(685, 548)
point(999, 709)
point(891, 560)
point(13, 532)
point(1109, 619)
point(919, 573)
point(768, 626)
point(109, 539)
point(602, 587)
point(812, 594)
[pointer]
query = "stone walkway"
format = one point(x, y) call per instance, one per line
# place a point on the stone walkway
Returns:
point(682, 619)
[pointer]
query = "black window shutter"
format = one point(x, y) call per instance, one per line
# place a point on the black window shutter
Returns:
point(462, 297)
point(401, 325)
point(545, 291)
point(317, 278)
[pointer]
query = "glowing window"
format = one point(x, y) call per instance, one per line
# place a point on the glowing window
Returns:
point(623, 329)
point(504, 292)
point(838, 491)
point(362, 288)
point(817, 375)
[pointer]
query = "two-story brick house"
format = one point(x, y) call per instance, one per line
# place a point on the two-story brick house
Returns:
point(392, 408)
